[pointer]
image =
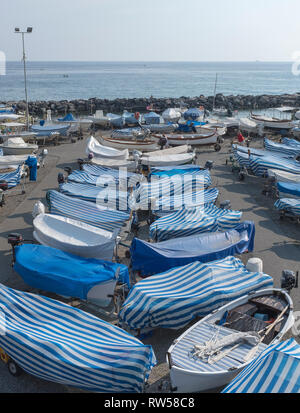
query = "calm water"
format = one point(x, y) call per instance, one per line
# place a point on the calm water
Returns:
point(109, 80)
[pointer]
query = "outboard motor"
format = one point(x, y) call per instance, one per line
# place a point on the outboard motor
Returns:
point(14, 239)
point(80, 163)
point(3, 185)
point(2, 198)
point(68, 170)
point(61, 178)
point(289, 280)
point(225, 204)
point(209, 165)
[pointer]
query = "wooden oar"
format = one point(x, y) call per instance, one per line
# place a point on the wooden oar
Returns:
point(253, 351)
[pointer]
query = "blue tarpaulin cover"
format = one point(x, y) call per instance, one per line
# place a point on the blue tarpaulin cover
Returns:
point(289, 188)
point(152, 258)
point(152, 118)
point(68, 118)
point(32, 163)
point(192, 114)
point(50, 269)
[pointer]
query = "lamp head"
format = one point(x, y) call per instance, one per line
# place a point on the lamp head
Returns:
point(29, 29)
point(17, 29)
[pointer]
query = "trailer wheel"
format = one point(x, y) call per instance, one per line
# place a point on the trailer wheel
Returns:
point(14, 369)
point(217, 147)
point(241, 177)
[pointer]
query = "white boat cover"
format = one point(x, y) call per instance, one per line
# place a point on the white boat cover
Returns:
point(179, 159)
point(88, 212)
point(174, 298)
point(75, 237)
point(275, 370)
point(106, 152)
point(282, 176)
point(184, 223)
point(56, 342)
point(170, 151)
point(12, 160)
point(172, 115)
point(248, 124)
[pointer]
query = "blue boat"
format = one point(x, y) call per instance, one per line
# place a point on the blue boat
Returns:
point(153, 258)
point(48, 130)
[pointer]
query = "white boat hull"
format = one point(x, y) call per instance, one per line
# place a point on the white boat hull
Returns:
point(15, 150)
point(105, 152)
point(193, 140)
point(131, 145)
point(273, 124)
point(187, 381)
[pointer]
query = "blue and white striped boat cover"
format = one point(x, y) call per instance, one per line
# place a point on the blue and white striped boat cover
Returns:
point(242, 158)
point(12, 178)
point(183, 223)
point(167, 187)
point(291, 142)
point(174, 298)
point(118, 175)
point(275, 370)
point(184, 199)
point(290, 205)
point(281, 149)
point(260, 165)
point(60, 343)
point(88, 212)
point(108, 197)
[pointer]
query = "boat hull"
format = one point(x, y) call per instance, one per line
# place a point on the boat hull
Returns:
point(131, 145)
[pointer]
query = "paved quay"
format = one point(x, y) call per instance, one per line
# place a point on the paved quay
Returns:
point(277, 243)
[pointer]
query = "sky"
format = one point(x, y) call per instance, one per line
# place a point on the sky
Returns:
point(151, 30)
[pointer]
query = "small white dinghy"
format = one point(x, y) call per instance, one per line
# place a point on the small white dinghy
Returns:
point(146, 145)
point(17, 146)
point(214, 350)
point(74, 236)
point(167, 160)
point(100, 151)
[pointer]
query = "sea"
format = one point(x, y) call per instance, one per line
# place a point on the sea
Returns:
point(111, 80)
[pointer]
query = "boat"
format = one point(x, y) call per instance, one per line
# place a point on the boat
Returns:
point(152, 118)
point(290, 188)
point(130, 144)
point(154, 258)
point(171, 115)
point(193, 114)
point(113, 163)
point(275, 370)
point(92, 214)
point(52, 270)
point(60, 343)
point(74, 236)
point(217, 111)
point(169, 151)
point(273, 123)
point(207, 138)
point(184, 223)
point(110, 196)
point(174, 298)
point(161, 128)
point(248, 125)
point(17, 146)
point(281, 148)
point(288, 206)
point(12, 161)
point(128, 133)
point(100, 119)
point(105, 152)
point(166, 160)
point(76, 125)
point(11, 177)
point(282, 176)
point(116, 175)
point(49, 129)
point(213, 351)
point(220, 131)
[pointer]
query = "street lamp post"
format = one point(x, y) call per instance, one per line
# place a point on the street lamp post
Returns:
point(29, 30)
